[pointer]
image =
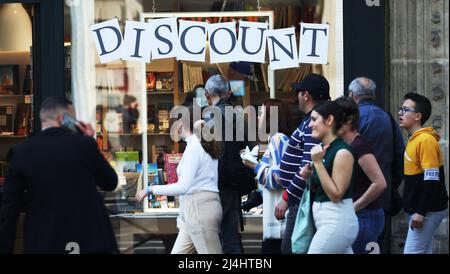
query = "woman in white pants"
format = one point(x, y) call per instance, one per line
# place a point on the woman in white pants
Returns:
point(331, 183)
point(200, 208)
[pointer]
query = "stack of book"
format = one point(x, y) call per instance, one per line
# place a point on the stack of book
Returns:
point(294, 76)
point(192, 76)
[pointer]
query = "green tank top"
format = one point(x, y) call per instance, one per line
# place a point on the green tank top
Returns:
point(328, 160)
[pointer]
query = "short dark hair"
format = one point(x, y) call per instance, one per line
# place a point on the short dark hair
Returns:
point(423, 105)
point(331, 108)
point(52, 105)
point(351, 111)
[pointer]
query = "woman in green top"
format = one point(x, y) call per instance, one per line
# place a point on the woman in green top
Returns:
point(331, 184)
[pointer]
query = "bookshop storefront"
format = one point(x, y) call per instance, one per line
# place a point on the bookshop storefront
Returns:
point(129, 102)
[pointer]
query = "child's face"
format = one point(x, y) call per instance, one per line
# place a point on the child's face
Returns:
point(408, 115)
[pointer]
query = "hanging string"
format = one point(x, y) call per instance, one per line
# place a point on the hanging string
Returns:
point(154, 7)
point(258, 6)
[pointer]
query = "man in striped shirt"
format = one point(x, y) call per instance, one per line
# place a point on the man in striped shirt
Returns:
point(311, 91)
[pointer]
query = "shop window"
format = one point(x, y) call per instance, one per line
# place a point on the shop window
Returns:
point(16, 79)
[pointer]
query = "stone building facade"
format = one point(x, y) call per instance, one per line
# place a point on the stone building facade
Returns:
point(418, 48)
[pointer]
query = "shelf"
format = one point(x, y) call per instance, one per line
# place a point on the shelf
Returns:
point(13, 136)
point(151, 93)
point(135, 135)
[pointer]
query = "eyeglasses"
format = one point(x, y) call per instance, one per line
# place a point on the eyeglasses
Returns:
point(403, 110)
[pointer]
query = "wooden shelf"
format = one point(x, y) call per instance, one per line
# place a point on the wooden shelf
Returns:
point(13, 136)
point(153, 93)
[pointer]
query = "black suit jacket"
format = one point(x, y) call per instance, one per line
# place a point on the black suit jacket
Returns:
point(60, 172)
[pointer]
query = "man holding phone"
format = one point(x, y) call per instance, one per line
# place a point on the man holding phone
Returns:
point(59, 169)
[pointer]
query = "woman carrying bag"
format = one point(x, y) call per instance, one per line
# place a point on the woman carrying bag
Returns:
point(333, 212)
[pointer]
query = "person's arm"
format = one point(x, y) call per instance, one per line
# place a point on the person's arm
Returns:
point(335, 185)
point(369, 165)
point(309, 144)
point(399, 152)
point(13, 195)
point(105, 175)
point(191, 163)
point(429, 151)
point(268, 175)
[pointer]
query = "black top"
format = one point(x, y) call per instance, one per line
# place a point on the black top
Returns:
point(362, 183)
point(328, 161)
point(60, 172)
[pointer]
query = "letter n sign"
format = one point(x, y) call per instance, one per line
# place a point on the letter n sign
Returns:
point(314, 43)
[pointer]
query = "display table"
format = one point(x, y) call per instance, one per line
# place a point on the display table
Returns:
point(155, 233)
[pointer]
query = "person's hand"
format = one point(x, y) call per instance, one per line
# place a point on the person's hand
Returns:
point(317, 153)
point(417, 221)
point(280, 210)
point(306, 172)
point(249, 164)
point(85, 128)
point(141, 195)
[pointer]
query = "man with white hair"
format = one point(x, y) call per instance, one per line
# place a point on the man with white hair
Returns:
point(378, 127)
point(233, 175)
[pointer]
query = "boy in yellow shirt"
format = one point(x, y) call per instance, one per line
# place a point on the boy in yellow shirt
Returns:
point(425, 196)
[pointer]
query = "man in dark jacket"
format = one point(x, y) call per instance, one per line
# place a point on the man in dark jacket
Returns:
point(59, 170)
point(377, 127)
point(234, 177)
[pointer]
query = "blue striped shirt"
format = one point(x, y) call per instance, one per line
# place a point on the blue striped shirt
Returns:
point(268, 169)
point(296, 156)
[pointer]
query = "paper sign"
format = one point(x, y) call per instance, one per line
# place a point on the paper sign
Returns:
point(252, 42)
point(282, 48)
point(192, 38)
point(108, 40)
point(314, 43)
point(223, 42)
point(136, 43)
point(164, 33)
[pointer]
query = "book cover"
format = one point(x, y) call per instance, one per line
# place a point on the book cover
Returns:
point(22, 120)
point(127, 160)
point(7, 120)
point(151, 81)
point(171, 163)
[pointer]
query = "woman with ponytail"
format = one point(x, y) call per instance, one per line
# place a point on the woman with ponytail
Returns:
point(200, 208)
point(331, 184)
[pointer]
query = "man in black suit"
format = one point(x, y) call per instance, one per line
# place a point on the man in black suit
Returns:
point(59, 170)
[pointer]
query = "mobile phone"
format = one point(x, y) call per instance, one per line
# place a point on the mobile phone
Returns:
point(70, 123)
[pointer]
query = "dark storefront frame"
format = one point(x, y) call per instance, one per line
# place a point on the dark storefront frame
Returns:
point(48, 50)
point(365, 45)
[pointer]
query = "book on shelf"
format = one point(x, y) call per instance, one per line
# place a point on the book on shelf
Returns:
point(7, 120)
point(159, 81)
point(155, 201)
point(158, 152)
point(164, 117)
point(192, 76)
point(171, 161)
point(126, 161)
point(151, 118)
point(294, 76)
point(150, 81)
point(23, 119)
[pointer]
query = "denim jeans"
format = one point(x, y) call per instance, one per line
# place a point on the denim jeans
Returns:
point(231, 207)
point(420, 241)
point(371, 225)
point(286, 244)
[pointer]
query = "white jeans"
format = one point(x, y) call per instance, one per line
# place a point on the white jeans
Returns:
point(420, 240)
point(199, 224)
point(337, 228)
